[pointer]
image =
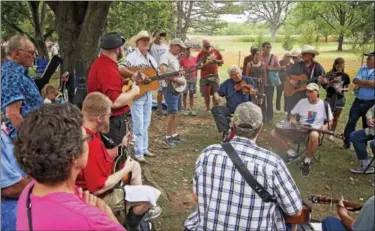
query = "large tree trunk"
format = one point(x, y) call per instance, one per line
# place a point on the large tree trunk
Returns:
point(79, 26)
point(179, 19)
point(340, 41)
point(273, 29)
point(38, 20)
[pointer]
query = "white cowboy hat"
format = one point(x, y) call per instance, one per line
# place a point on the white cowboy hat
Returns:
point(133, 40)
point(309, 49)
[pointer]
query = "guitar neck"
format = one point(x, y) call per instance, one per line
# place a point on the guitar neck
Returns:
point(347, 204)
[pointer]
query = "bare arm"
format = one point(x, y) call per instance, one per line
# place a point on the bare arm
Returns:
point(113, 180)
point(217, 98)
point(364, 83)
point(345, 218)
point(13, 113)
point(126, 97)
point(15, 190)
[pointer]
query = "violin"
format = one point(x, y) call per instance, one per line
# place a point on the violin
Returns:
point(245, 87)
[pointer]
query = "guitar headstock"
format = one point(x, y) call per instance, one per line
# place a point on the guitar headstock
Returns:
point(318, 199)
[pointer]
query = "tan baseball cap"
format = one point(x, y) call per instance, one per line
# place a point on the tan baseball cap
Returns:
point(177, 41)
point(312, 87)
point(248, 116)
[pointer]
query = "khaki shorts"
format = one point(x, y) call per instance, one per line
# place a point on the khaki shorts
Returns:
point(116, 201)
point(209, 86)
point(191, 87)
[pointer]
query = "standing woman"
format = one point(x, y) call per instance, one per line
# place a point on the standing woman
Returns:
point(255, 69)
point(336, 83)
point(285, 63)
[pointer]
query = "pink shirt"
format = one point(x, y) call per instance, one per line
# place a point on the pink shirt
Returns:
point(188, 63)
point(274, 63)
point(61, 211)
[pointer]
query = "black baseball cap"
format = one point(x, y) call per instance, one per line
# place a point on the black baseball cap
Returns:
point(112, 40)
point(370, 54)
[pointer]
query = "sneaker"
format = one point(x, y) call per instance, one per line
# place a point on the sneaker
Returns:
point(149, 154)
point(141, 159)
point(169, 142)
point(331, 138)
point(186, 113)
point(193, 113)
point(178, 139)
point(361, 170)
point(291, 159)
point(305, 169)
point(152, 213)
point(277, 111)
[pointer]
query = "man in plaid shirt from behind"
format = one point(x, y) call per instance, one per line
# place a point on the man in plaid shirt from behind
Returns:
point(225, 200)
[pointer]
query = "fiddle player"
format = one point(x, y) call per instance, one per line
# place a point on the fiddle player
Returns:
point(234, 95)
point(98, 177)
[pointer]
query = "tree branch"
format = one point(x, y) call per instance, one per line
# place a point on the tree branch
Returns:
point(49, 33)
point(16, 28)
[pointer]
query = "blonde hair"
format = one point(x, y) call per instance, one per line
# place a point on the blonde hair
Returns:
point(47, 89)
point(96, 104)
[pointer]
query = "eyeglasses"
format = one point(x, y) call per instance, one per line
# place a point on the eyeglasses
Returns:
point(268, 47)
point(30, 52)
point(88, 138)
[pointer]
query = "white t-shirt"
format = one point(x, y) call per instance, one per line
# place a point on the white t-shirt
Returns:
point(172, 63)
point(312, 114)
point(157, 51)
point(137, 60)
point(46, 100)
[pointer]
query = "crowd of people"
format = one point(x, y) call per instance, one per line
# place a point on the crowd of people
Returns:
point(58, 166)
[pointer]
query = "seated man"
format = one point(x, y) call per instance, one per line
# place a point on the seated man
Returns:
point(312, 112)
point(13, 180)
point(233, 97)
point(360, 139)
point(226, 201)
point(98, 176)
point(365, 221)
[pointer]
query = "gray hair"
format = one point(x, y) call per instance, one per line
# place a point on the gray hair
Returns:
point(15, 42)
point(232, 67)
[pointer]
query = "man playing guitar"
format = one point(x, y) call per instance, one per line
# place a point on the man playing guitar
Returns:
point(308, 67)
point(313, 112)
point(169, 63)
point(104, 77)
point(98, 176)
point(141, 107)
point(209, 81)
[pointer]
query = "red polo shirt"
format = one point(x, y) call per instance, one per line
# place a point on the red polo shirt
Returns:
point(99, 165)
point(105, 77)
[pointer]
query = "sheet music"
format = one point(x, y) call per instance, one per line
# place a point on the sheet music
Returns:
point(137, 193)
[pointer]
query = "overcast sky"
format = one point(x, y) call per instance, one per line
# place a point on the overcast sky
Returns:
point(233, 18)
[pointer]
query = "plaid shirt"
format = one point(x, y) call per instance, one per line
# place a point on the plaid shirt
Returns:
point(227, 202)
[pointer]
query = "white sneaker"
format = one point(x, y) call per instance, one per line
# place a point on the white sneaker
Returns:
point(291, 153)
point(152, 213)
point(332, 138)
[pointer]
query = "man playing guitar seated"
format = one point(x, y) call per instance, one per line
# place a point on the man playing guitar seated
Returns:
point(236, 90)
point(98, 176)
point(312, 112)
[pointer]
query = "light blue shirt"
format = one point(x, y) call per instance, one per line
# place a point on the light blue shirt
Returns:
point(10, 175)
point(365, 221)
point(365, 93)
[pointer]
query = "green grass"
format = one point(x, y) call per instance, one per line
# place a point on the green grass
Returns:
point(173, 168)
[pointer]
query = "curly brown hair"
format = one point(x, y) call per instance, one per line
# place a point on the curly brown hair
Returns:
point(48, 140)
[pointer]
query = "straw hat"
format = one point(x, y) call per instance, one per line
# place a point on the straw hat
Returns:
point(309, 50)
point(133, 40)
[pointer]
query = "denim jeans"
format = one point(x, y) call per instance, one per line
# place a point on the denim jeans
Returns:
point(333, 224)
point(359, 109)
point(359, 140)
point(279, 95)
point(141, 117)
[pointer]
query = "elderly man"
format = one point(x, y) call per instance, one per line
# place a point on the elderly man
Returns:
point(309, 67)
point(19, 96)
point(364, 99)
point(209, 81)
point(226, 201)
point(98, 176)
point(141, 107)
point(233, 97)
point(169, 63)
point(360, 139)
point(312, 112)
point(157, 48)
point(105, 77)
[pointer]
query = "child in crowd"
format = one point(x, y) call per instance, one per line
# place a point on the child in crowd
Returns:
point(49, 93)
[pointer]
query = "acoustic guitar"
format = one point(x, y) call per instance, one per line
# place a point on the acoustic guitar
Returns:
point(301, 82)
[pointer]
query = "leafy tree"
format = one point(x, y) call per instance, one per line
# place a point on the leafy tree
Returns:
point(273, 13)
point(128, 18)
point(15, 15)
point(288, 43)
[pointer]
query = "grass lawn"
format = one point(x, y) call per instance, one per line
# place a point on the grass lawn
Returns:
point(172, 169)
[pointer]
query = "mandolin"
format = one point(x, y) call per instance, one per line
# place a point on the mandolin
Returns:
point(350, 206)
